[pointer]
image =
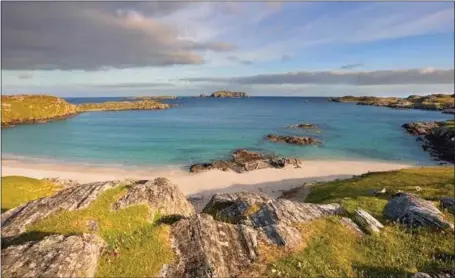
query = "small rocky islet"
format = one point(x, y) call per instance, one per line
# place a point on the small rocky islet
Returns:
point(226, 94)
point(292, 139)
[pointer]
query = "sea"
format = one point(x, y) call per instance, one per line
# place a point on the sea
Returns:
point(205, 129)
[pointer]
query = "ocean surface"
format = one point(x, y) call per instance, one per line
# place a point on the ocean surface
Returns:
point(205, 129)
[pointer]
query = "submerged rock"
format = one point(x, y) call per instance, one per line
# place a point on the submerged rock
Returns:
point(294, 140)
point(303, 125)
point(244, 160)
point(413, 211)
point(53, 256)
point(161, 196)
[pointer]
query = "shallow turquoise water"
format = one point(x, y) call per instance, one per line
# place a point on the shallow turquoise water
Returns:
point(204, 129)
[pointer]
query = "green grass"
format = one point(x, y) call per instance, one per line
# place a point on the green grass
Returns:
point(335, 251)
point(23, 108)
point(17, 190)
point(434, 182)
point(137, 247)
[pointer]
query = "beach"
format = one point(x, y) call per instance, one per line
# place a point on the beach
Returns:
point(270, 181)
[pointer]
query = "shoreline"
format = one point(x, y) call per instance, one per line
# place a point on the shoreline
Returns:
point(269, 181)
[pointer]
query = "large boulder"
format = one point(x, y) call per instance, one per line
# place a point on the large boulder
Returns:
point(53, 256)
point(160, 195)
point(210, 248)
point(293, 140)
point(244, 160)
point(413, 211)
point(367, 222)
point(275, 218)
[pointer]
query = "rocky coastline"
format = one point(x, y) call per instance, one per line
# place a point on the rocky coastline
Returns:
point(226, 94)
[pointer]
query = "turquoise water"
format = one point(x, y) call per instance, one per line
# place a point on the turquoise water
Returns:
point(204, 129)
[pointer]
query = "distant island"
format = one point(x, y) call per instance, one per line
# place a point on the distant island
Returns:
point(226, 94)
point(440, 102)
point(27, 109)
point(152, 97)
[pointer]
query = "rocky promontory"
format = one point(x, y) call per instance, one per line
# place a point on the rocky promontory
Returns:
point(244, 160)
point(28, 109)
point(293, 140)
point(123, 105)
point(438, 138)
point(226, 94)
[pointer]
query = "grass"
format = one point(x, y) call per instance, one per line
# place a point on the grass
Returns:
point(333, 250)
point(147, 104)
point(33, 108)
point(17, 190)
point(429, 183)
point(137, 247)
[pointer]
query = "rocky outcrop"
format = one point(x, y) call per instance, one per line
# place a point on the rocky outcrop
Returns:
point(244, 160)
point(413, 211)
point(53, 256)
point(209, 248)
point(294, 140)
point(123, 105)
point(30, 109)
point(15, 220)
point(440, 274)
point(160, 195)
point(228, 94)
point(275, 218)
point(63, 183)
point(367, 222)
point(304, 125)
point(438, 138)
point(447, 203)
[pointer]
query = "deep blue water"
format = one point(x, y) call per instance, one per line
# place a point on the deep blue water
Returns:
point(205, 128)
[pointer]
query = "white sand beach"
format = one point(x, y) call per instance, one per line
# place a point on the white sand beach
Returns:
point(269, 181)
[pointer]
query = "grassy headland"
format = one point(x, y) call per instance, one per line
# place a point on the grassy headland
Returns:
point(122, 105)
point(429, 102)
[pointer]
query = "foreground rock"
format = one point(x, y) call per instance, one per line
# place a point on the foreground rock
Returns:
point(160, 195)
point(244, 160)
point(53, 256)
point(448, 203)
point(440, 274)
point(275, 218)
point(123, 105)
point(28, 109)
point(413, 211)
point(367, 222)
point(294, 140)
point(438, 138)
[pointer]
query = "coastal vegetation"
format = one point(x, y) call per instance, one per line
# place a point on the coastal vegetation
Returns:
point(428, 102)
point(25, 109)
point(153, 97)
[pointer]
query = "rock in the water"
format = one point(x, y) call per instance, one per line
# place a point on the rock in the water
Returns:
point(413, 211)
point(53, 256)
point(304, 125)
point(15, 220)
point(294, 140)
point(440, 274)
point(447, 203)
point(210, 248)
point(244, 160)
point(161, 196)
point(367, 222)
point(420, 128)
point(274, 217)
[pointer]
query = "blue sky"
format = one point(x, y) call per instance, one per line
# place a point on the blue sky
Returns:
point(120, 48)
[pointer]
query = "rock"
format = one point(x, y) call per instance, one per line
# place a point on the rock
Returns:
point(228, 94)
point(93, 226)
point(448, 111)
point(378, 192)
point(440, 274)
point(294, 140)
point(420, 128)
point(303, 125)
point(64, 183)
point(15, 220)
point(441, 143)
point(276, 218)
point(244, 160)
point(413, 211)
point(418, 188)
point(447, 203)
point(348, 223)
point(53, 256)
point(161, 196)
point(210, 248)
point(367, 222)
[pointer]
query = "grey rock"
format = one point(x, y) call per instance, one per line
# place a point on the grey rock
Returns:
point(367, 222)
point(64, 183)
point(93, 226)
point(420, 128)
point(276, 218)
point(440, 274)
point(348, 223)
point(53, 256)
point(293, 140)
point(304, 125)
point(14, 221)
point(413, 211)
point(160, 195)
point(447, 203)
point(209, 248)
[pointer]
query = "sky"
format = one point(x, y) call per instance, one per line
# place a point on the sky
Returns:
point(95, 49)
